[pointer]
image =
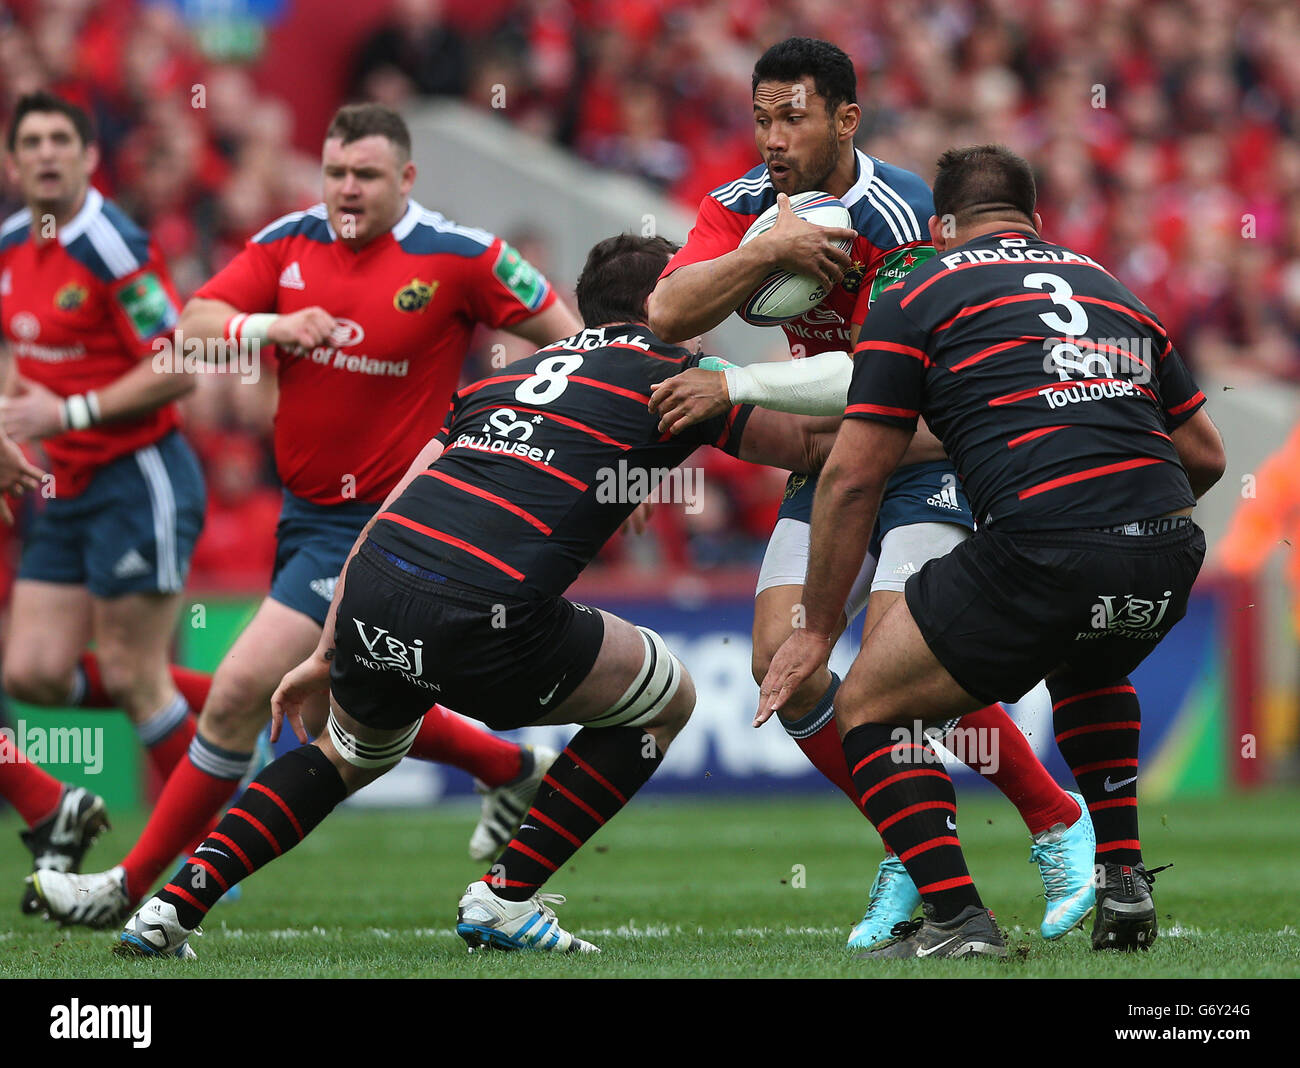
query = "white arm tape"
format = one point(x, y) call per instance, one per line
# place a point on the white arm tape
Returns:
point(245, 327)
point(815, 385)
point(80, 411)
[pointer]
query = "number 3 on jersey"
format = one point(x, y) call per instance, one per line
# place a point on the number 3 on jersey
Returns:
point(1061, 294)
point(550, 380)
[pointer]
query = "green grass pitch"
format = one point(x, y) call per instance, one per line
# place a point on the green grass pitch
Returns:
point(767, 887)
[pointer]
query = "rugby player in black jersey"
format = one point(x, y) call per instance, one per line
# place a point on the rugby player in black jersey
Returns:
point(454, 592)
point(1083, 444)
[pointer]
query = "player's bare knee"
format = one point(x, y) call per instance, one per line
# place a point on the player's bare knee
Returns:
point(675, 715)
point(850, 704)
point(767, 640)
point(138, 689)
point(857, 704)
point(36, 683)
point(237, 708)
point(769, 635)
point(313, 721)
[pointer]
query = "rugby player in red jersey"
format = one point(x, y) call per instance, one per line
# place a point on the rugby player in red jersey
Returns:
point(462, 572)
point(805, 120)
point(84, 296)
point(38, 797)
point(370, 301)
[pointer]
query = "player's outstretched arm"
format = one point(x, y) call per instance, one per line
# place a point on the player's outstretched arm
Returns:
point(698, 296)
point(817, 385)
point(798, 443)
point(1200, 448)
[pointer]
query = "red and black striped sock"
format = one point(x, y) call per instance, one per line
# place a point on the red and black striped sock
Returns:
point(594, 777)
point(280, 808)
point(908, 795)
point(1097, 732)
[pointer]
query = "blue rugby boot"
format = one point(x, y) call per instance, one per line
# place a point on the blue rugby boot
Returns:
point(893, 900)
point(1065, 857)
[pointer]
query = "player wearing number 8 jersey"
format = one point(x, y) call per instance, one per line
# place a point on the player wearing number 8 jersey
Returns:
point(1084, 445)
point(370, 301)
point(458, 584)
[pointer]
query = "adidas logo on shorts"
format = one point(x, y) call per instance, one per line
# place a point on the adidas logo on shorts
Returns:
point(131, 564)
point(324, 587)
point(945, 498)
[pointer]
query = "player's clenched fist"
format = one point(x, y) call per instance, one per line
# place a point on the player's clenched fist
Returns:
point(303, 329)
point(806, 248)
point(689, 398)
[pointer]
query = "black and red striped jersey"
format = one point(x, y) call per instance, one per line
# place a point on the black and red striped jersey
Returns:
point(1053, 388)
point(543, 463)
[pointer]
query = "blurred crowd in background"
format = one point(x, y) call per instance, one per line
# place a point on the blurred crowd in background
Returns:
point(1165, 134)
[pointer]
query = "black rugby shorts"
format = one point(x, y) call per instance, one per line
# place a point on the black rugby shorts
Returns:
point(406, 639)
point(1004, 609)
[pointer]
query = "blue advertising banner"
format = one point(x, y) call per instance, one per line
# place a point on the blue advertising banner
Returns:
point(720, 753)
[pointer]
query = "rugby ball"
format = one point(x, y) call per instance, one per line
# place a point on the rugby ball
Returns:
point(783, 296)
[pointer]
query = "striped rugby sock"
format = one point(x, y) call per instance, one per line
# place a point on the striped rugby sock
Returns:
point(909, 797)
point(167, 734)
point(195, 791)
point(1097, 730)
point(286, 801)
point(818, 738)
point(595, 776)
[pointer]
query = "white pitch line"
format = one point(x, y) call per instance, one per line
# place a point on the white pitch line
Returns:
point(650, 931)
point(622, 931)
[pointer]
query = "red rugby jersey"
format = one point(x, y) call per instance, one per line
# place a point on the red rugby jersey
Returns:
point(79, 310)
point(353, 414)
point(888, 206)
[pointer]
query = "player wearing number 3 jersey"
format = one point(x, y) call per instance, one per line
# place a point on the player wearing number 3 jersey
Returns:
point(1084, 445)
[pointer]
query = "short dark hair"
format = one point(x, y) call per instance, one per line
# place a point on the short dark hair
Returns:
point(618, 276)
point(796, 57)
point(352, 122)
point(42, 102)
point(982, 180)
